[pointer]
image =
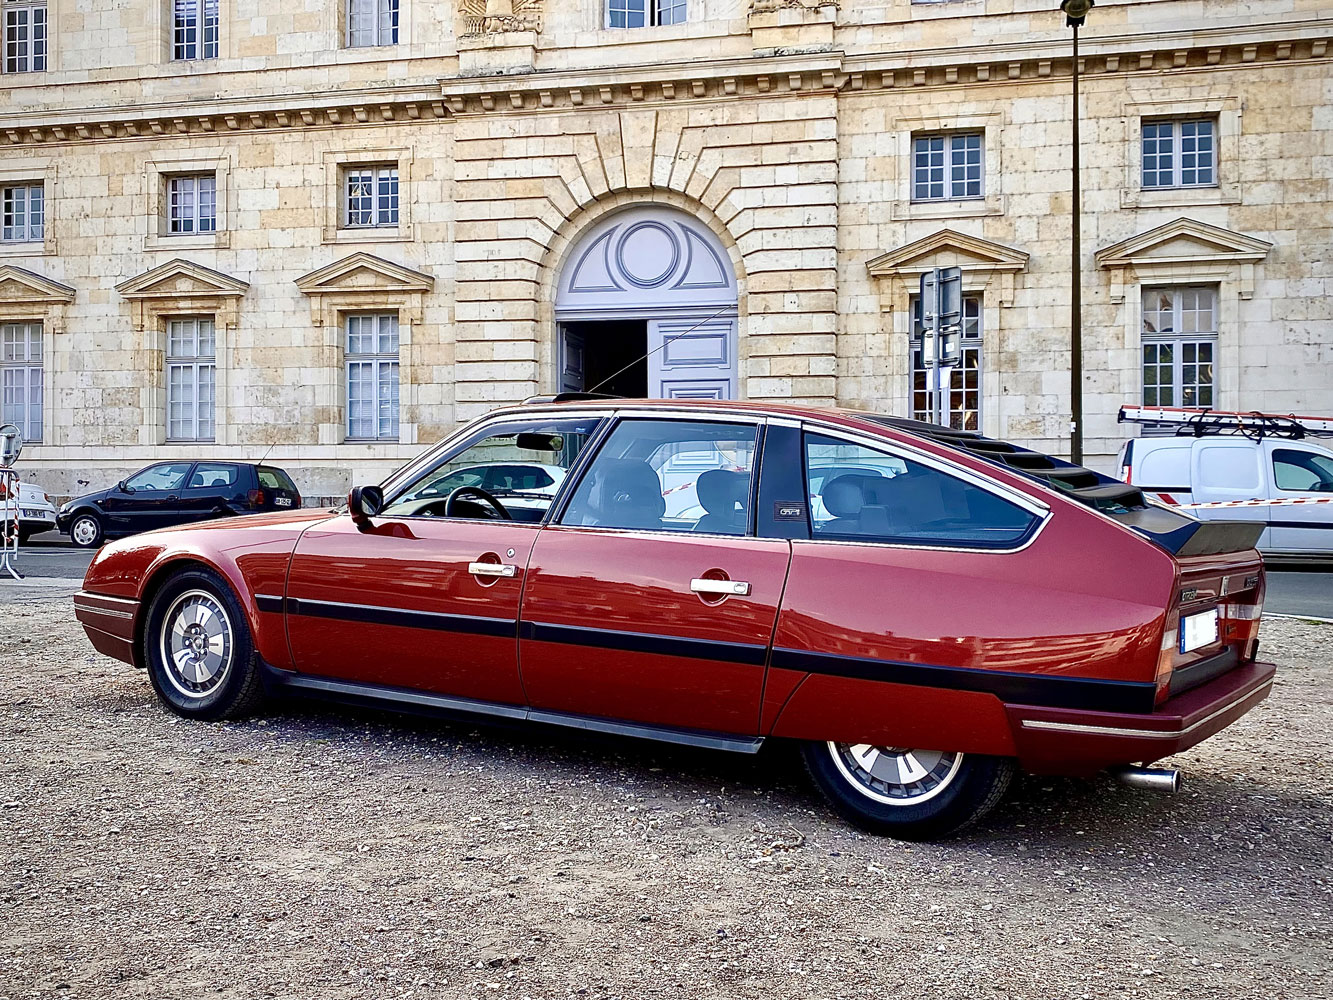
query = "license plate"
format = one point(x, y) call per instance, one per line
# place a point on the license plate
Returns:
point(1198, 630)
point(282, 502)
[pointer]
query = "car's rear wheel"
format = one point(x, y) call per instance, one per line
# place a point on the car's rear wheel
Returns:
point(911, 794)
point(198, 649)
point(85, 531)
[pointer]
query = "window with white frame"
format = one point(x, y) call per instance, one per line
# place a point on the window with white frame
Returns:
point(191, 378)
point(644, 13)
point(22, 213)
point(961, 384)
point(25, 35)
point(194, 32)
point(21, 377)
point(947, 167)
point(372, 376)
point(372, 22)
point(192, 204)
point(371, 196)
point(1180, 153)
point(1179, 346)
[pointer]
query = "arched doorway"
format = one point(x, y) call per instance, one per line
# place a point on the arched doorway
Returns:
point(646, 305)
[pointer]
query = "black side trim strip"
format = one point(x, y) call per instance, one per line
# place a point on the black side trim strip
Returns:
point(502, 628)
point(353, 692)
point(1325, 525)
point(272, 605)
point(1046, 690)
point(639, 642)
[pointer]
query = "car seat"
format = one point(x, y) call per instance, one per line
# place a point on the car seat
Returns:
point(855, 506)
point(724, 495)
point(624, 493)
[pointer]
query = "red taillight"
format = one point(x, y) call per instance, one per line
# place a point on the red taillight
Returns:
point(296, 499)
point(1240, 618)
point(255, 497)
point(1166, 655)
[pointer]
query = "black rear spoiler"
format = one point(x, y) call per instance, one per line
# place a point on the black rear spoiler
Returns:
point(1175, 531)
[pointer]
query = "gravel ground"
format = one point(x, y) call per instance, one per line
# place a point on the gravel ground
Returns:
point(321, 852)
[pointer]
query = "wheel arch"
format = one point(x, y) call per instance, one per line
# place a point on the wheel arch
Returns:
point(172, 564)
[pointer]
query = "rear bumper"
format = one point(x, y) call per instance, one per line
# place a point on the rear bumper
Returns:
point(109, 622)
point(1065, 741)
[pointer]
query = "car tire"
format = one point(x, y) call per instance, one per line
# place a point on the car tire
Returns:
point(198, 649)
point(86, 531)
point(911, 794)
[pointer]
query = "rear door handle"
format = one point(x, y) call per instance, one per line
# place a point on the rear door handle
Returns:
point(725, 587)
point(492, 569)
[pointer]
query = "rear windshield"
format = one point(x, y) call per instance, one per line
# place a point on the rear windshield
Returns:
point(275, 479)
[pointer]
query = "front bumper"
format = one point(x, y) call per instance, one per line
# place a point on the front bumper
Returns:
point(1074, 742)
point(109, 623)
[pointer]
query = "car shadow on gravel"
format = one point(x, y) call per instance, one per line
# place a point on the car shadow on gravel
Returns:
point(1069, 818)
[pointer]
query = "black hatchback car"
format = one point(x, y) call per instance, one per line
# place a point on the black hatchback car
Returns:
point(176, 493)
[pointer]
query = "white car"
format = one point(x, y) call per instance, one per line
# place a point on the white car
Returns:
point(36, 511)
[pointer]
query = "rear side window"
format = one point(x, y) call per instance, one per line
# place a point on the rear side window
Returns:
point(859, 494)
point(275, 479)
point(213, 475)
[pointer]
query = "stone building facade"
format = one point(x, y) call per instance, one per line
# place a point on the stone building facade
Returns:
point(326, 231)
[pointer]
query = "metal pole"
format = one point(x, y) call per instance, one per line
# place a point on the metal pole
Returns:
point(1076, 295)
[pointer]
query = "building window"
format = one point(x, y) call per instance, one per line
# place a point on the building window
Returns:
point(372, 22)
point(644, 13)
point(963, 381)
point(194, 29)
point(372, 377)
point(25, 36)
point(1179, 346)
point(372, 197)
point(946, 167)
point(21, 377)
point(1180, 154)
point(191, 378)
point(22, 211)
point(192, 204)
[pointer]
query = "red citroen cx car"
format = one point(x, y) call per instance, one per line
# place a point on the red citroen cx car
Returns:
point(925, 610)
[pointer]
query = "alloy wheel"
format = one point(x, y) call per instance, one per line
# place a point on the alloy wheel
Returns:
point(84, 531)
point(197, 643)
point(895, 776)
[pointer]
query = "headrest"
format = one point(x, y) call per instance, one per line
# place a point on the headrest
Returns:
point(719, 490)
point(845, 495)
point(626, 491)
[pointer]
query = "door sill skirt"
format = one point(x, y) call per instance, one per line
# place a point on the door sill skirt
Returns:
point(409, 699)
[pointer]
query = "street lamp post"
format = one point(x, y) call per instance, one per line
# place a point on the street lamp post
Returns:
point(1075, 13)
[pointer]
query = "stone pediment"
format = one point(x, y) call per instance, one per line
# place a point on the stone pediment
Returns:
point(20, 286)
point(1184, 241)
point(364, 272)
point(180, 279)
point(948, 248)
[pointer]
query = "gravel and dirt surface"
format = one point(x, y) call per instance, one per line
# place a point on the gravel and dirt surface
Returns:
point(321, 852)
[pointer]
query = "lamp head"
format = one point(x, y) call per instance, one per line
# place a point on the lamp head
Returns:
point(1075, 11)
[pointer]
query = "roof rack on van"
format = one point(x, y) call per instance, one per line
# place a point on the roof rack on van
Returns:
point(1188, 422)
point(569, 397)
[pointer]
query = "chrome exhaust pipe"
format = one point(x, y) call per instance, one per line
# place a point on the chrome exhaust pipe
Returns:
point(1150, 779)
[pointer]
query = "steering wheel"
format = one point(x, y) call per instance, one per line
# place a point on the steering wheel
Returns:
point(479, 492)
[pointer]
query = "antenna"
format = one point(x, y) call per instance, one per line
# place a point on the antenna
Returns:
point(267, 453)
point(668, 340)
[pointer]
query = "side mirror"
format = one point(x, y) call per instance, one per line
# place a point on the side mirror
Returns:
point(363, 503)
point(123, 488)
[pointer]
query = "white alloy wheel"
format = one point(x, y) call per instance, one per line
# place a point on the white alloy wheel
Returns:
point(196, 643)
point(893, 775)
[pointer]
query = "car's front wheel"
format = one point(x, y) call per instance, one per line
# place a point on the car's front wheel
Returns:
point(198, 650)
point(85, 531)
point(911, 794)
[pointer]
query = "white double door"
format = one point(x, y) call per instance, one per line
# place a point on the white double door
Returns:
point(687, 358)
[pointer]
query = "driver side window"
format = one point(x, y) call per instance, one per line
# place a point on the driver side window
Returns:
point(1302, 471)
point(160, 477)
point(521, 465)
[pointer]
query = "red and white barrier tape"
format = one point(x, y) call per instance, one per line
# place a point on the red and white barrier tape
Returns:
point(1284, 502)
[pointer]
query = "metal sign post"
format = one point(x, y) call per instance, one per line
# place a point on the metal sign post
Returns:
point(942, 334)
point(11, 444)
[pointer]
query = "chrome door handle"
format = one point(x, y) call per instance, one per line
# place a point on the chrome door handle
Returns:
point(723, 587)
point(491, 569)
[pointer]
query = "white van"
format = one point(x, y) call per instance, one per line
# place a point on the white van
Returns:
point(1215, 467)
